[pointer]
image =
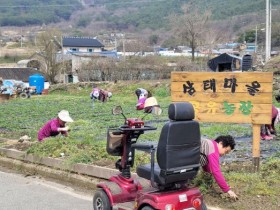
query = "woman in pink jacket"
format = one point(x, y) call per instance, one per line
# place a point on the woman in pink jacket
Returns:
point(211, 151)
point(55, 126)
point(268, 131)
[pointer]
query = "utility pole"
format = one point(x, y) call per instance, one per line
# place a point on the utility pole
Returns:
point(116, 45)
point(62, 57)
point(256, 40)
point(60, 45)
point(124, 46)
point(20, 38)
point(268, 31)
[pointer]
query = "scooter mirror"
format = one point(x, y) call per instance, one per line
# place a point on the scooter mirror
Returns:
point(117, 110)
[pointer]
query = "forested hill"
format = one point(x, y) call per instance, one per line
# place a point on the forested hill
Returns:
point(152, 15)
point(119, 13)
point(220, 8)
point(36, 12)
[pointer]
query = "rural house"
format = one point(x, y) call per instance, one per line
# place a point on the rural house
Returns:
point(225, 62)
point(81, 50)
point(229, 62)
point(81, 45)
point(20, 74)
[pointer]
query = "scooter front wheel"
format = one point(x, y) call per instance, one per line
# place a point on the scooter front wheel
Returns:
point(101, 201)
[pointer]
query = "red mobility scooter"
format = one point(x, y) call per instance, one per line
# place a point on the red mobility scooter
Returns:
point(177, 162)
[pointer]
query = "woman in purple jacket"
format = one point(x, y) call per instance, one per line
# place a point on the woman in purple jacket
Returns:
point(211, 151)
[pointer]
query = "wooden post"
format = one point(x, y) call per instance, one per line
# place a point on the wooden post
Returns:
point(256, 146)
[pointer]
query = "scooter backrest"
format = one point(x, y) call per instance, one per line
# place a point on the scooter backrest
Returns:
point(181, 111)
point(179, 142)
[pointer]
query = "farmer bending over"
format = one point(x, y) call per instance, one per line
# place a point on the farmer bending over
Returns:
point(99, 94)
point(268, 130)
point(104, 95)
point(142, 95)
point(141, 92)
point(210, 153)
point(95, 93)
point(56, 126)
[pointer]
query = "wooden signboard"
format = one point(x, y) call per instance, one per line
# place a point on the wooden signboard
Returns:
point(227, 97)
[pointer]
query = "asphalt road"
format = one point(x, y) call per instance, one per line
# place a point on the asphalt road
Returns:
point(18, 192)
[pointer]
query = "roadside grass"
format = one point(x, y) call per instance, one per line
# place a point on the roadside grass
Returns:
point(87, 140)
point(265, 182)
point(244, 181)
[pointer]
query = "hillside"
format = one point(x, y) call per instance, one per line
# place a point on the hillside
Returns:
point(121, 14)
point(138, 19)
point(152, 14)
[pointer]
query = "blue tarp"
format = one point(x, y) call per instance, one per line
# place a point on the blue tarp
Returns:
point(10, 86)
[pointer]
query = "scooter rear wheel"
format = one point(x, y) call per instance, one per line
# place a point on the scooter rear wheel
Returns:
point(203, 206)
point(101, 201)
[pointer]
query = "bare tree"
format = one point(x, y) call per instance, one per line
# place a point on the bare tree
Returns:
point(138, 46)
point(97, 68)
point(47, 53)
point(191, 26)
point(215, 34)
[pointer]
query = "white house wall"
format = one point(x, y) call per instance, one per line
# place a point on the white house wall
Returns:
point(81, 49)
point(77, 61)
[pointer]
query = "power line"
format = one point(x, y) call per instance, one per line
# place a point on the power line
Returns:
point(71, 5)
point(129, 2)
point(37, 6)
point(94, 4)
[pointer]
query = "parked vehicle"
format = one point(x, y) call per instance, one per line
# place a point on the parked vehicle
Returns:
point(17, 88)
point(25, 92)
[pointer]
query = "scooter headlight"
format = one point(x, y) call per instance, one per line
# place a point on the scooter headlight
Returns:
point(169, 207)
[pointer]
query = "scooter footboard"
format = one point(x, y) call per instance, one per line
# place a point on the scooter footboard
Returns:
point(120, 190)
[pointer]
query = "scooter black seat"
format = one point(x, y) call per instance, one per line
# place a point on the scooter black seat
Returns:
point(144, 171)
point(178, 150)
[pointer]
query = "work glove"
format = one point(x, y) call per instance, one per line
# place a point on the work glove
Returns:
point(63, 129)
point(232, 195)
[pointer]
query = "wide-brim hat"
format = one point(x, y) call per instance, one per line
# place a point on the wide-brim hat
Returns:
point(64, 116)
point(152, 101)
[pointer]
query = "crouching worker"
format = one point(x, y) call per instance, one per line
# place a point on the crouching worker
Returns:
point(268, 131)
point(99, 94)
point(94, 93)
point(56, 126)
point(142, 95)
point(151, 105)
point(210, 153)
point(104, 95)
